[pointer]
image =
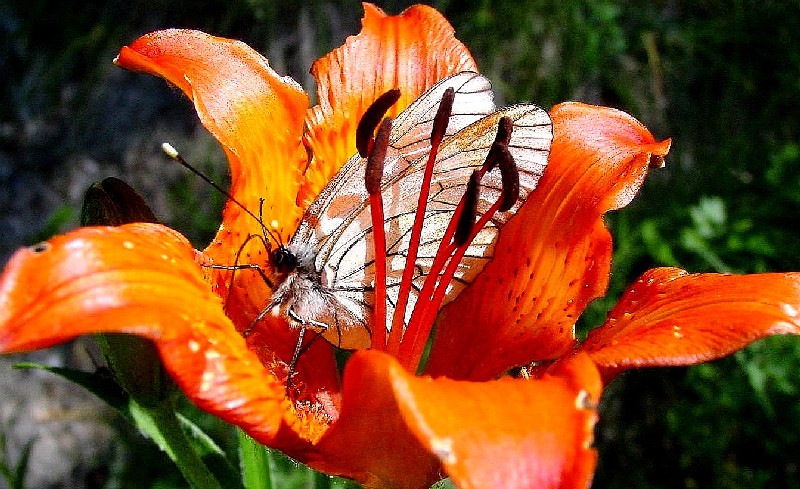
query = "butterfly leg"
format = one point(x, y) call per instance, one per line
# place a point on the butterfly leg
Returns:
point(299, 348)
point(295, 357)
point(261, 315)
point(244, 266)
point(304, 323)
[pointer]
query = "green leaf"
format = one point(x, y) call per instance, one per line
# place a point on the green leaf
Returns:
point(210, 453)
point(99, 383)
point(136, 366)
point(165, 429)
point(18, 481)
point(14, 476)
point(255, 463)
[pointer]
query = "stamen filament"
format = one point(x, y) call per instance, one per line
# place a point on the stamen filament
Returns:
point(440, 123)
point(443, 254)
point(452, 248)
point(502, 138)
point(411, 350)
point(372, 180)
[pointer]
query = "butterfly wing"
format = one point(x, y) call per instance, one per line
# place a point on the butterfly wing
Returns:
point(339, 226)
point(338, 221)
point(327, 219)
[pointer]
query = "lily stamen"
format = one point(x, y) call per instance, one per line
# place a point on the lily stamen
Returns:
point(440, 123)
point(411, 351)
point(460, 233)
point(466, 221)
point(372, 180)
point(371, 119)
point(374, 149)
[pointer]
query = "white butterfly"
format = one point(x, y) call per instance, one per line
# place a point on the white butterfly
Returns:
point(326, 271)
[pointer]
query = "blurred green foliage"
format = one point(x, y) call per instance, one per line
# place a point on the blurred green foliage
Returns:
point(719, 77)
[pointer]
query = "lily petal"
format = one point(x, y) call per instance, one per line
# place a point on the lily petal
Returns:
point(140, 279)
point(396, 429)
point(554, 256)
point(410, 51)
point(371, 442)
point(670, 317)
point(258, 118)
point(509, 433)
point(254, 113)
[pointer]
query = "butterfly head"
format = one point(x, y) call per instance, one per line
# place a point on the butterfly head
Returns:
point(291, 257)
point(283, 260)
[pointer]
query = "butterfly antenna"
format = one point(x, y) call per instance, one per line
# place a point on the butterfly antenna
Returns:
point(170, 151)
point(276, 237)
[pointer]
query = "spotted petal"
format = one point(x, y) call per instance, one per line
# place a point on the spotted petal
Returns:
point(670, 317)
point(140, 279)
point(554, 256)
point(257, 116)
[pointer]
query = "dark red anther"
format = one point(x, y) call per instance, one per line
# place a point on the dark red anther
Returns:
point(442, 117)
point(371, 118)
point(656, 161)
point(377, 157)
point(510, 177)
point(468, 212)
point(503, 137)
point(504, 128)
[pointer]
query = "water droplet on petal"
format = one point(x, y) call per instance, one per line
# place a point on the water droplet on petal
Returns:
point(207, 380)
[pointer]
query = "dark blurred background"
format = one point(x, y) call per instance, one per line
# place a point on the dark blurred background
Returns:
point(722, 78)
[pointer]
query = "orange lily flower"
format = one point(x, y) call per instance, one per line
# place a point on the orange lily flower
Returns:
point(380, 424)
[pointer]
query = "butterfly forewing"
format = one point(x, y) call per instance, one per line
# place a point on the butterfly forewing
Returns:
point(411, 130)
point(338, 224)
point(345, 196)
